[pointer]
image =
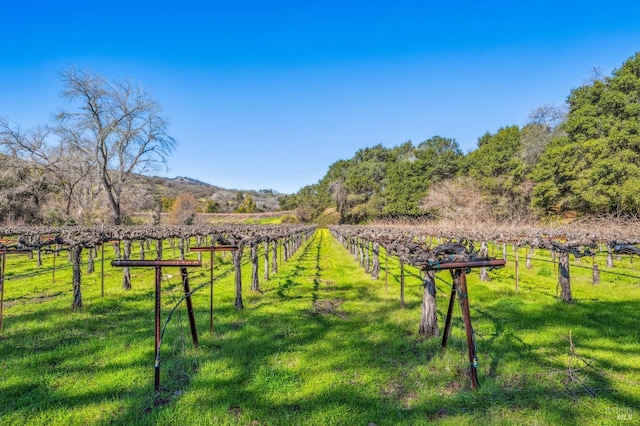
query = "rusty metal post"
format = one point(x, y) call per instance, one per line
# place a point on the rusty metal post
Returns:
point(447, 321)
point(3, 254)
point(466, 317)
point(158, 264)
point(102, 272)
point(156, 381)
point(151, 263)
point(465, 265)
point(187, 294)
point(459, 285)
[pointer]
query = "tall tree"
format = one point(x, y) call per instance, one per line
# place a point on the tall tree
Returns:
point(545, 124)
point(357, 185)
point(595, 168)
point(416, 169)
point(500, 173)
point(118, 126)
point(309, 201)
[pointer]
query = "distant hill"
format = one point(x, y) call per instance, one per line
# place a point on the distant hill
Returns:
point(150, 187)
point(189, 180)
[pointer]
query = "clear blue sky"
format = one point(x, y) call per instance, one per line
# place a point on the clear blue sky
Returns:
point(268, 94)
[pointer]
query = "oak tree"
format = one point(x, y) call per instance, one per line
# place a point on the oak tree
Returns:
point(118, 126)
point(595, 167)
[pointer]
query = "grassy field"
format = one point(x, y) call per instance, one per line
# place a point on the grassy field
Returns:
point(262, 218)
point(322, 344)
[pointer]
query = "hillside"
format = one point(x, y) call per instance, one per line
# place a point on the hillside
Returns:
point(38, 193)
point(149, 188)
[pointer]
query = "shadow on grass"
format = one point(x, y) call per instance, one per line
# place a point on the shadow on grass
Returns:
point(603, 335)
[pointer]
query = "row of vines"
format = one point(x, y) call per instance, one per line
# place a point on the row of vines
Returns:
point(458, 249)
point(82, 246)
point(424, 247)
point(432, 248)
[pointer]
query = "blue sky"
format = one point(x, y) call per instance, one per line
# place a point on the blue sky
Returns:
point(269, 94)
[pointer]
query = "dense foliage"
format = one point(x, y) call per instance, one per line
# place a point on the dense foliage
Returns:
point(380, 181)
point(583, 161)
point(595, 168)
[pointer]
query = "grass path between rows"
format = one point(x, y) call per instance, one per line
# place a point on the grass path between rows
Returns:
point(319, 346)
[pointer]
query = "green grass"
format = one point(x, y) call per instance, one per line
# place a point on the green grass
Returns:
point(322, 344)
point(264, 218)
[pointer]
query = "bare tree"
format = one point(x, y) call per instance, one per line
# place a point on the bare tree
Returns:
point(549, 116)
point(116, 125)
point(458, 200)
point(544, 125)
point(184, 209)
point(76, 174)
point(23, 181)
point(65, 172)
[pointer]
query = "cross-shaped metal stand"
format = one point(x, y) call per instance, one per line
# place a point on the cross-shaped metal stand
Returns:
point(159, 264)
point(459, 286)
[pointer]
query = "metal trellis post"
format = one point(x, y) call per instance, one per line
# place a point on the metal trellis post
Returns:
point(211, 251)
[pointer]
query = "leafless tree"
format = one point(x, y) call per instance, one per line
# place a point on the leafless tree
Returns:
point(550, 116)
point(23, 181)
point(458, 200)
point(339, 196)
point(544, 125)
point(116, 125)
point(63, 171)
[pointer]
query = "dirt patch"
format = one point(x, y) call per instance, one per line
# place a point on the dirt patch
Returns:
point(329, 307)
point(28, 300)
point(237, 325)
point(235, 411)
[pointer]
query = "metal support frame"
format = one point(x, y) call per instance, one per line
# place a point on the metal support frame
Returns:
point(187, 296)
point(459, 287)
point(53, 271)
point(102, 270)
point(212, 250)
point(158, 265)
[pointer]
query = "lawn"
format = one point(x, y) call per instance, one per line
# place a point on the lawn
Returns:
point(321, 344)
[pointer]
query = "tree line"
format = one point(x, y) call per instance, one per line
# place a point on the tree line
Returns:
point(581, 158)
